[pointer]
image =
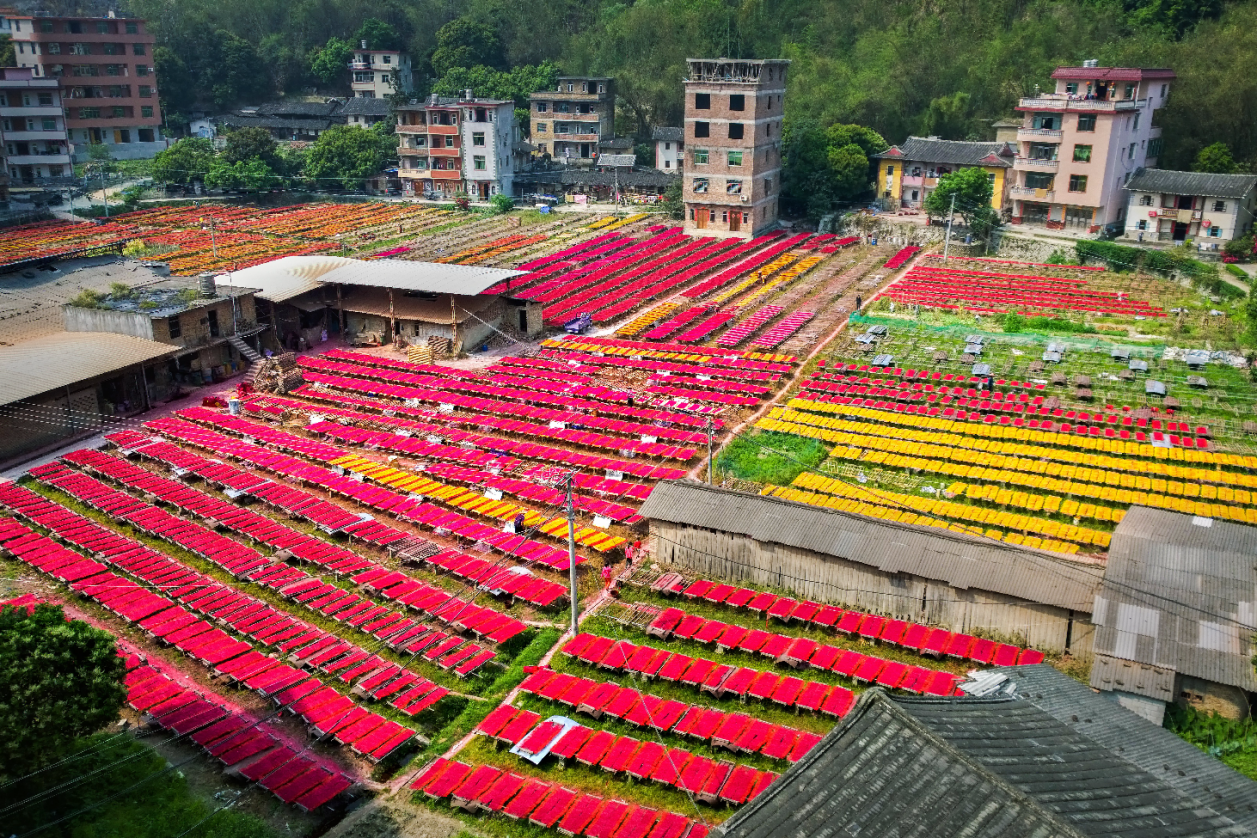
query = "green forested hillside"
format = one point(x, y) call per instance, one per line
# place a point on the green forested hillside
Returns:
point(943, 67)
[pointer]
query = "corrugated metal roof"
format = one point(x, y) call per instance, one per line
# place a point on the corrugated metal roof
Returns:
point(433, 277)
point(977, 768)
point(283, 279)
point(959, 560)
point(1150, 747)
point(1191, 183)
point(61, 359)
point(1180, 592)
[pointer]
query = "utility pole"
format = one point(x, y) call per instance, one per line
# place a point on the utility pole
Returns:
point(951, 212)
point(710, 428)
point(571, 548)
point(213, 240)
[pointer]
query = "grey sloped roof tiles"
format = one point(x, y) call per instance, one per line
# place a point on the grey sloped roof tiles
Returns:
point(959, 560)
point(1191, 183)
point(1150, 747)
point(1180, 592)
point(954, 152)
point(977, 768)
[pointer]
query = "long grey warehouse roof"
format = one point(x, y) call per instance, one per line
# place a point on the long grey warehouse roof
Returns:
point(282, 279)
point(973, 767)
point(432, 277)
point(1180, 592)
point(1191, 183)
point(959, 560)
point(62, 359)
point(1152, 748)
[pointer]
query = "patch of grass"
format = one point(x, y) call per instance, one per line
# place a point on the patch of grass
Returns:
point(1233, 742)
point(768, 457)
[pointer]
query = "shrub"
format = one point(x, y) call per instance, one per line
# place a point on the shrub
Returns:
point(87, 298)
point(502, 203)
point(1237, 271)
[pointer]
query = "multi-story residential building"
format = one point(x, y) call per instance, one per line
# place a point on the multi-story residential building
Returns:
point(669, 149)
point(733, 112)
point(568, 122)
point(1079, 144)
point(457, 144)
point(379, 73)
point(105, 67)
point(910, 170)
point(32, 130)
point(1172, 206)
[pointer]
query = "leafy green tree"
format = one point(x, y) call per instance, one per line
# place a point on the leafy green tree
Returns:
point(187, 160)
point(378, 34)
point(502, 203)
point(249, 176)
point(346, 156)
point(949, 117)
point(246, 144)
point(1176, 17)
point(234, 75)
point(287, 65)
point(973, 191)
point(466, 43)
point(672, 204)
point(1216, 159)
point(515, 84)
point(8, 58)
point(59, 680)
point(825, 166)
point(331, 63)
point(177, 89)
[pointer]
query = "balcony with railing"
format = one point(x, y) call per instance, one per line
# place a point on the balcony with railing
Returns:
point(1039, 135)
point(1030, 193)
point(1036, 164)
point(1059, 102)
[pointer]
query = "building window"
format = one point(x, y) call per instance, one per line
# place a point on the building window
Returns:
point(146, 92)
point(1215, 232)
point(733, 187)
point(1082, 154)
point(50, 123)
point(602, 88)
point(1142, 224)
point(119, 112)
point(45, 26)
point(122, 135)
point(1071, 88)
point(1130, 91)
point(89, 113)
point(1145, 200)
point(735, 158)
point(1163, 89)
point(54, 49)
point(175, 329)
point(1038, 180)
point(768, 186)
point(147, 135)
point(737, 102)
point(1130, 154)
point(700, 157)
point(137, 49)
point(541, 127)
point(388, 59)
point(477, 163)
point(916, 194)
point(1219, 206)
point(702, 129)
point(133, 28)
point(1077, 183)
point(700, 184)
point(77, 49)
point(1154, 147)
point(477, 138)
point(1135, 124)
point(1087, 123)
point(735, 130)
point(890, 170)
point(667, 146)
point(112, 49)
point(146, 111)
point(702, 101)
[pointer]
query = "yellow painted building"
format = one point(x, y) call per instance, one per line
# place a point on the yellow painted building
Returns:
point(908, 172)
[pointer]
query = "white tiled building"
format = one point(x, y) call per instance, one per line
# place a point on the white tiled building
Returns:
point(452, 144)
point(669, 149)
point(379, 73)
point(1173, 206)
point(32, 129)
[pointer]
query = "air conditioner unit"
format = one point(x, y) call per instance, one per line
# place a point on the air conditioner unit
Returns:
point(743, 198)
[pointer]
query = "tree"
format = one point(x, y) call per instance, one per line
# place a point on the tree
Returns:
point(672, 204)
point(378, 34)
point(1215, 159)
point(331, 63)
point(1250, 315)
point(8, 58)
point(502, 203)
point(287, 65)
point(515, 84)
point(247, 176)
point(347, 156)
point(59, 680)
point(973, 192)
point(465, 43)
point(234, 74)
point(178, 90)
point(1175, 17)
point(245, 144)
point(949, 117)
point(825, 166)
point(187, 160)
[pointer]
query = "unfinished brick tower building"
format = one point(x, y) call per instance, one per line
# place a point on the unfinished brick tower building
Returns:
point(733, 112)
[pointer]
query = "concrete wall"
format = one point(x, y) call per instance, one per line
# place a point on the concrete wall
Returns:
point(722, 555)
point(102, 320)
